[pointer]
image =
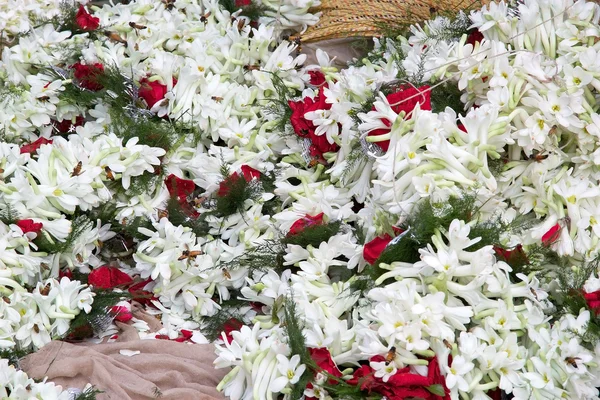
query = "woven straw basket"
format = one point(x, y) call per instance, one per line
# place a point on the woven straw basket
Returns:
point(348, 18)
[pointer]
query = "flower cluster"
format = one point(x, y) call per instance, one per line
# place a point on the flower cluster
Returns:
point(419, 224)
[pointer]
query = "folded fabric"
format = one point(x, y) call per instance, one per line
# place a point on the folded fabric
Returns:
point(163, 369)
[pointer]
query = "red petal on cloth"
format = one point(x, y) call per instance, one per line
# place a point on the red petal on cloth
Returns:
point(180, 188)
point(85, 20)
point(185, 336)
point(231, 326)
point(250, 173)
point(152, 91)
point(122, 314)
point(107, 277)
point(33, 147)
point(87, 75)
point(304, 222)
point(28, 225)
point(551, 236)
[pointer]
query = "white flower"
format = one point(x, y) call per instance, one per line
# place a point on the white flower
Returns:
point(290, 369)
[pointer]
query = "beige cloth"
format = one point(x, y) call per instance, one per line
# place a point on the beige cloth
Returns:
point(180, 371)
point(344, 50)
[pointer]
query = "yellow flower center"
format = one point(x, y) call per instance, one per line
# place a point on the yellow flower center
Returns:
point(541, 123)
point(572, 199)
point(576, 81)
point(290, 374)
point(556, 108)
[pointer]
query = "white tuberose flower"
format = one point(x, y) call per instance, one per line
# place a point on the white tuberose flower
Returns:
point(290, 370)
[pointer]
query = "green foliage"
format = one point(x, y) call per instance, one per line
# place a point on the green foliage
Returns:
point(447, 95)
point(570, 299)
point(313, 235)
point(237, 191)
point(89, 394)
point(278, 103)
point(268, 255)
point(104, 300)
point(179, 216)
point(214, 326)
point(79, 226)
point(297, 343)
point(14, 355)
point(9, 215)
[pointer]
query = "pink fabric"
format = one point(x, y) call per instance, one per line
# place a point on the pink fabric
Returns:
point(179, 371)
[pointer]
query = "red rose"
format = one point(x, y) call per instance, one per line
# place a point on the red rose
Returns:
point(230, 326)
point(242, 3)
point(373, 249)
point(551, 236)
point(321, 145)
point(322, 357)
point(180, 188)
point(317, 77)
point(67, 126)
point(250, 173)
point(304, 222)
point(474, 37)
point(33, 147)
point(87, 75)
point(408, 98)
point(121, 313)
point(152, 91)
point(85, 20)
point(28, 225)
point(593, 301)
point(107, 277)
point(301, 126)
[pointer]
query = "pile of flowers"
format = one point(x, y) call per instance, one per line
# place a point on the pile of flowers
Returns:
point(420, 224)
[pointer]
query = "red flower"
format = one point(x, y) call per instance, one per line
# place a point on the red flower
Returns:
point(551, 236)
point(242, 3)
point(122, 314)
point(28, 225)
point(322, 357)
point(65, 273)
point(250, 173)
point(33, 147)
point(65, 125)
point(304, 222)
point(85, 20)
point(301, 125)
point(180, 188)
point(593, 301)
point(87, 75)
point(373, 249)
point(474, 37)
point(152, 91)
point(107, 277)
point(403, 384)
point(512, 257)
point(230, 326)
point(321, 145)
point(317, 78)
point(139, 294)
point(185, 335)
point(408, 98)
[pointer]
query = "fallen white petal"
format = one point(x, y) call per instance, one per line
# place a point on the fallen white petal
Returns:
point(129, 353)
